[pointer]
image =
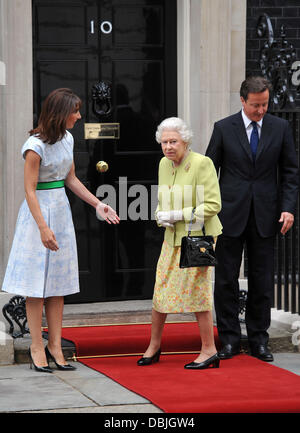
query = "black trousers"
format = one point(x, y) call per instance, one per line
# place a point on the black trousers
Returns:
point(260, 253)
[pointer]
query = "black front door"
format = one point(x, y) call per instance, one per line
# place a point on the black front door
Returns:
point(130, 44)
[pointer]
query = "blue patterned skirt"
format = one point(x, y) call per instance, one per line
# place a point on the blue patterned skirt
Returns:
point(34, 270)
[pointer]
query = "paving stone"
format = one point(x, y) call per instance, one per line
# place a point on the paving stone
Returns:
point(45, 391)
point(98, 387)
point(288, 361)
point(82, 391)
point(129, 408)
point(105, 392)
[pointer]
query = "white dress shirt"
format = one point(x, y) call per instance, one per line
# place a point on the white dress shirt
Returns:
point(249, 127)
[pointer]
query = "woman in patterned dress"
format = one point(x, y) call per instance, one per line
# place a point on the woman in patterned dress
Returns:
point(186, 180)
point(42, 265)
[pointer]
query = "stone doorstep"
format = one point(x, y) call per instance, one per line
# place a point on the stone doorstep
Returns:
point(16, 350)
point(73, 317)
point(6, 349)
point(139, 312)
point(278, 342)
point(102, 313)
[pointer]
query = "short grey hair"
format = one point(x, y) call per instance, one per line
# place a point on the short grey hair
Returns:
point(174, 124)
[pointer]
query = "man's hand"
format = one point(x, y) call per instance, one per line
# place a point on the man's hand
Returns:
point(288, 220)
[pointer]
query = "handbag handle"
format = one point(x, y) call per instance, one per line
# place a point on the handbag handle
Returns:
point(191, 222)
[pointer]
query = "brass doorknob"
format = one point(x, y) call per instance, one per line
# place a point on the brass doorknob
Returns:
point(101, 166)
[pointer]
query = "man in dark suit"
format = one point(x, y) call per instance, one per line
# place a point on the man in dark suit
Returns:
point(255, 155)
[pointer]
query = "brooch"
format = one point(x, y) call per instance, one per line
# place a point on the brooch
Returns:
point(187, 167)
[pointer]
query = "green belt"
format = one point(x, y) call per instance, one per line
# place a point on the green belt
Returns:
point(51, 185)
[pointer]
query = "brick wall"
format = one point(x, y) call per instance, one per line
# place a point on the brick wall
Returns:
point(286, 12)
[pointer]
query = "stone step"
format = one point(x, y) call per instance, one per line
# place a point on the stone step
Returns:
point(114, 312)
point(93, 314)
point(279, 342)
point(122, 312)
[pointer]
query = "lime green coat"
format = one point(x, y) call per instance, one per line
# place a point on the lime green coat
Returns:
point(193, 183)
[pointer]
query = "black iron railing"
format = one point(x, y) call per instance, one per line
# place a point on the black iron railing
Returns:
point(287, 258)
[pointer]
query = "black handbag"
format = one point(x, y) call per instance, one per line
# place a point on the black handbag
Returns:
point(197, 250)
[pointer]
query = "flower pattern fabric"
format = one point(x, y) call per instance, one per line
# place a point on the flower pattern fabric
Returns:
point(180, 290)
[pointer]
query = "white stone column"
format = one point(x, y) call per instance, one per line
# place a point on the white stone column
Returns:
point(210, 66)
point(211, 62)
point(15, 112)
point(184, 58)
point(238, 52)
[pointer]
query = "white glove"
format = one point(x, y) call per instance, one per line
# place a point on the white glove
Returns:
point(164, 224)
point(171, 216)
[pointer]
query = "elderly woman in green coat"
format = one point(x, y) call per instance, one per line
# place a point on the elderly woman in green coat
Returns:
point(187, 180)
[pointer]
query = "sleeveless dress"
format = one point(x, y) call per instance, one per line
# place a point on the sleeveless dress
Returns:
point(32, 269)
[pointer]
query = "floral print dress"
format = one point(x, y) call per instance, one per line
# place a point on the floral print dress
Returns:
point(181, 290)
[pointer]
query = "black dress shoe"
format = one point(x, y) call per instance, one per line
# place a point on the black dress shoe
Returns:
point(262, 352)
point(149, 360)
point(228, 351)
point(64, 367)
point(44, 369)
point(213, 361)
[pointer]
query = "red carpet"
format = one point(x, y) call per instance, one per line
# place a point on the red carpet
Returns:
point(130, 339)
point(241, 385)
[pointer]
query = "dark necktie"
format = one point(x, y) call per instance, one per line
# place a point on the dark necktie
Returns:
point(254, 139)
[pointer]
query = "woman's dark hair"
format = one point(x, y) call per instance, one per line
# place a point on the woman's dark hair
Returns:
point(56, 109)
point(254, 84)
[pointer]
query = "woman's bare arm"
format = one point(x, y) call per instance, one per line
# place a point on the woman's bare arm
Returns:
point(31, 174)
point(77, 187)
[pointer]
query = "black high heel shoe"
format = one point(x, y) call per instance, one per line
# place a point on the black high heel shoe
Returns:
point(65, 367)
point(213, 361)
point(45, 369)
point(149, 360)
